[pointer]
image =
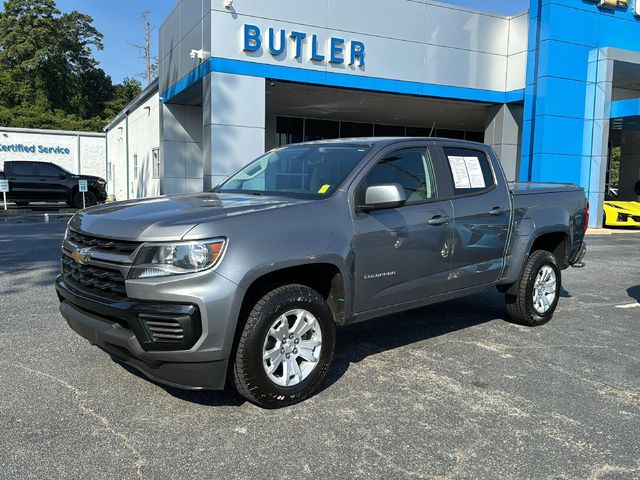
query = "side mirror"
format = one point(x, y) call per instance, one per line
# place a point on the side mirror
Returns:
point(378, 197)
point(63, 176)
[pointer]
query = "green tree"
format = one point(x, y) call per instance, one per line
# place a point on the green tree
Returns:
point(122, 95)
point(49, 77)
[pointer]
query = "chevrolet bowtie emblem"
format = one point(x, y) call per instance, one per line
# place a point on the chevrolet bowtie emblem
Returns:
point(82, 255)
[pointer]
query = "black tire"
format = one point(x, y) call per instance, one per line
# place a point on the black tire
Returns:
point(248, 373)
point(89, 200)
point(21, 203)
point(519, 299)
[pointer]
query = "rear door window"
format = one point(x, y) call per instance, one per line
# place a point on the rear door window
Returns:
point(470, 170)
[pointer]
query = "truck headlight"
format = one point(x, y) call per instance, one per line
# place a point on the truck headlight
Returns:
point(166, 259)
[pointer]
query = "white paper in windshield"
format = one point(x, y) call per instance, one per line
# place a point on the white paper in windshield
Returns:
point(476, 178)
point(459, 171)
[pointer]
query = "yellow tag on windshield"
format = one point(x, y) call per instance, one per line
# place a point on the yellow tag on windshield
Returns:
point(324, 188)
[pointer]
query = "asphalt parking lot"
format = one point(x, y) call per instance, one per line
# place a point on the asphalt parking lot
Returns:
point(451, 391)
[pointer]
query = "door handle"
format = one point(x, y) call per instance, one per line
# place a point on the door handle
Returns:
point(496, 211)
point(43, 179)
point(438, 220)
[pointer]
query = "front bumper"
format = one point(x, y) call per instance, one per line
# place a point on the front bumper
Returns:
point(101, 194)
point(114, 327)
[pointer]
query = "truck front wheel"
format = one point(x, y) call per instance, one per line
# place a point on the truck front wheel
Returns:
point(534, 299)
point(285, 348)
point(89, 200)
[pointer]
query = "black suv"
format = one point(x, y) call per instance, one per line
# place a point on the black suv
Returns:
point(47, 182)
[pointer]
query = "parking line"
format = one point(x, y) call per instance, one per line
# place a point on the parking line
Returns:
point(629, 305)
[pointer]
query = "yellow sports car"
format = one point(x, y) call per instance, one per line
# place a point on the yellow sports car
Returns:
point(621, 214)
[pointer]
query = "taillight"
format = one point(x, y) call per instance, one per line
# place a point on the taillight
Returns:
point(586, 215)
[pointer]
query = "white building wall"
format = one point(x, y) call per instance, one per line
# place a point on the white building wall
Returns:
point(139, 130)
point(517, 52)
point(89, 159)
point(116, 161)
point(408, 40)
point(181, 150)
point(144, 137)
point(234, 131)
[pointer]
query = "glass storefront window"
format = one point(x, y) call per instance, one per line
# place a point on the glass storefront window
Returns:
point(388, 131)
point(475, 136)
point(353, 129)
point(290, 130)
point(295, 130)
point(321, 130)
point(418, 132)
point(455, 134)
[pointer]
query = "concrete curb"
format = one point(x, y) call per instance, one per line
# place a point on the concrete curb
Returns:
point(611, 231)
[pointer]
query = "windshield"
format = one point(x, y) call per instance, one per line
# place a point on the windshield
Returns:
point(64, 170)
point(307, 171)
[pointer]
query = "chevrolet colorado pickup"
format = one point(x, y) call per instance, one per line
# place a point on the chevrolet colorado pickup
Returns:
point(48, 182)
point(245, 284)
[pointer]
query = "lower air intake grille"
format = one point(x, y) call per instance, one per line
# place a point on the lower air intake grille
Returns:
point(165, 328)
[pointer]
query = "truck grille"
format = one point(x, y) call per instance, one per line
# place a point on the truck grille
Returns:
point(120, 246)
point(97, 280)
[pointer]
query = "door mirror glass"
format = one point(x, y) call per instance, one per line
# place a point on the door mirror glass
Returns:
point(382, 196)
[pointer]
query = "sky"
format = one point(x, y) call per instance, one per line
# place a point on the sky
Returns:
point(119, 22)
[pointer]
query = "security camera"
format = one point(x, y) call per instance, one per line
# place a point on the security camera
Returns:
point(200, 54)
point(228, 3)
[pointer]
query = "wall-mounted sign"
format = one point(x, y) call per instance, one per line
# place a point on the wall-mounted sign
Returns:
point(306, 47)
point(22, 148)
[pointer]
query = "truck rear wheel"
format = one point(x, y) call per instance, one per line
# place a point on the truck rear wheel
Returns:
point(534, 299)
point(285, 347)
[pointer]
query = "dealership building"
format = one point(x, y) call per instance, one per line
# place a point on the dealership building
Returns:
point(553, 89)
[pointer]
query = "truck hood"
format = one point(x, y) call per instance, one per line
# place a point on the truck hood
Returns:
point(90, 178)
point(169, 218)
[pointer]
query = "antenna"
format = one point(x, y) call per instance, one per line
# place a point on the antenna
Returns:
point(433, 128)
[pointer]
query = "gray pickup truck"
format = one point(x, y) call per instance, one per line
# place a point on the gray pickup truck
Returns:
point(245, 284)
